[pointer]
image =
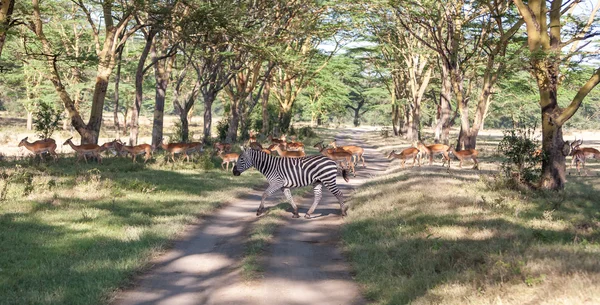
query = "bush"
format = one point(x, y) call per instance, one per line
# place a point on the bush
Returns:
point(45, 120)
point(521, 161)
point(222, 128)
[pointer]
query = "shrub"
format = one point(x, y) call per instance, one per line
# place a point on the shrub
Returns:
point(521, 162)
point(222, 128)
point(45, 120)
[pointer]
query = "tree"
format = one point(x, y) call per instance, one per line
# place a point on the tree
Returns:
point(549, 32)
point(116, 33)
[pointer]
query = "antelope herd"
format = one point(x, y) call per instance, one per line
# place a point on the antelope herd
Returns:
point(347, 156)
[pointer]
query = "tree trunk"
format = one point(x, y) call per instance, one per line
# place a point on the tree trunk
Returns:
point(116, 110)
point(6, 10)
point(162, 73)
point(185, 129)
point(356, 121)
point(285, 119)
point(553, 166)
point(139, 79)
point(29, 120)
point(234, 122)
point(265, 108)
point(208, 102)
point(442, 128)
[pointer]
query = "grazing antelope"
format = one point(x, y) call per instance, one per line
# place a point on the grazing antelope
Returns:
point(287, 173)
point(222, 146)
point(463, 154)
point(410, 152)
point(357, 152)
point(287, 153)
point(337, 155)
point(194, 147)
point(434, 149)
point(40, 146)
point(134, 151)
point(84, 150)
point(176, 148)
point(228, 158)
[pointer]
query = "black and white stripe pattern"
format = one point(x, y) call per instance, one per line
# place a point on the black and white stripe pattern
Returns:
point(288, 173)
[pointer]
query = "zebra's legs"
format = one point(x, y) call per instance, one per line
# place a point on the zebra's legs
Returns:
point(340, 197)
point(318, 189)
point(288, 195)
point(268, 192)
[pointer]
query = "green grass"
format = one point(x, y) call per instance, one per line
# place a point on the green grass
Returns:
point(425, 236)
point(74, 234)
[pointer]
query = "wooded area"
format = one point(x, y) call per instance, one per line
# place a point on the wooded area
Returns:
point(266, 64)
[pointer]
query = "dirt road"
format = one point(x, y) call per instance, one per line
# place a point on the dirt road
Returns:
point(303, 265)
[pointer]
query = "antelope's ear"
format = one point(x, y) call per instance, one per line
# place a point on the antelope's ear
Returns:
point(242, 148)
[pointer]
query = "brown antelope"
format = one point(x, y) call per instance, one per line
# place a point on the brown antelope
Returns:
point(434, 149)
point(194, 147)
point(41, 146)
point(176, 148)
point(287, 153)
point(114, 146)
point(337, 156)
point(85, 150)
point(357, 152)
point(294, 146)
point(410, 152)
point(228, 158)
point(463, 154)
point(581, 154)
point(252, 136)
point(257, 146)
point(280, 140)
point(222, 146)
point(134, 151)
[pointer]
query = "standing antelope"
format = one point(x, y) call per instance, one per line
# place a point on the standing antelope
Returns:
point(581, 154)
point(434, 149)
point(134, 151)
point(280, 140)
point(463, 154)
point(337, 155)
point(194, 147)
point(410, 152)
point(40, 146)
point(176, 148)
point(114, 146)
point(287, 153)
point(222, 146)
point(84, 150)
point(357, 152)
point(228, 158)
point(287, 173)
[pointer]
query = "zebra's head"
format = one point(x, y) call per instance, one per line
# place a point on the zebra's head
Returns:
point(244, 162)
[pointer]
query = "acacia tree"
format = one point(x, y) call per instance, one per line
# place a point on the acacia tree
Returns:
point(116, 32)
point(6, 21)
point(548, 34)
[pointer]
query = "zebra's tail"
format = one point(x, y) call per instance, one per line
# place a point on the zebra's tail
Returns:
point(345, 175)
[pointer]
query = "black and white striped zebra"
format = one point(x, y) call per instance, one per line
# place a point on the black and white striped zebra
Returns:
point(287, 173)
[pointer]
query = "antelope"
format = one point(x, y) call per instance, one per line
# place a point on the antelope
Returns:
point(257, 146)
point(286, 153)
point(194, 147)
point(430, 150)
point(356, 151)
point(85, 149)
point(222, 146)
point(41, 146)
point(337, 155)
point(138, 150)
point(410, 152)
point(227, 158)
point(294, 146)
point(252, 136)
point(176, 148)
point(281, 140)
point(581, 154)
point(462, 154)
point(114, 146)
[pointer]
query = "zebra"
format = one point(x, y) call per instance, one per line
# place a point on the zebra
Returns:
point(287, 173)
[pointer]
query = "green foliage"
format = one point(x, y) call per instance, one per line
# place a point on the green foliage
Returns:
point(520, 158)
point(222, 128)
point(45, 120)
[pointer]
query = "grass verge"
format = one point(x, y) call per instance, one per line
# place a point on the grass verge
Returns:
point(424, 236)
point(75, 233)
